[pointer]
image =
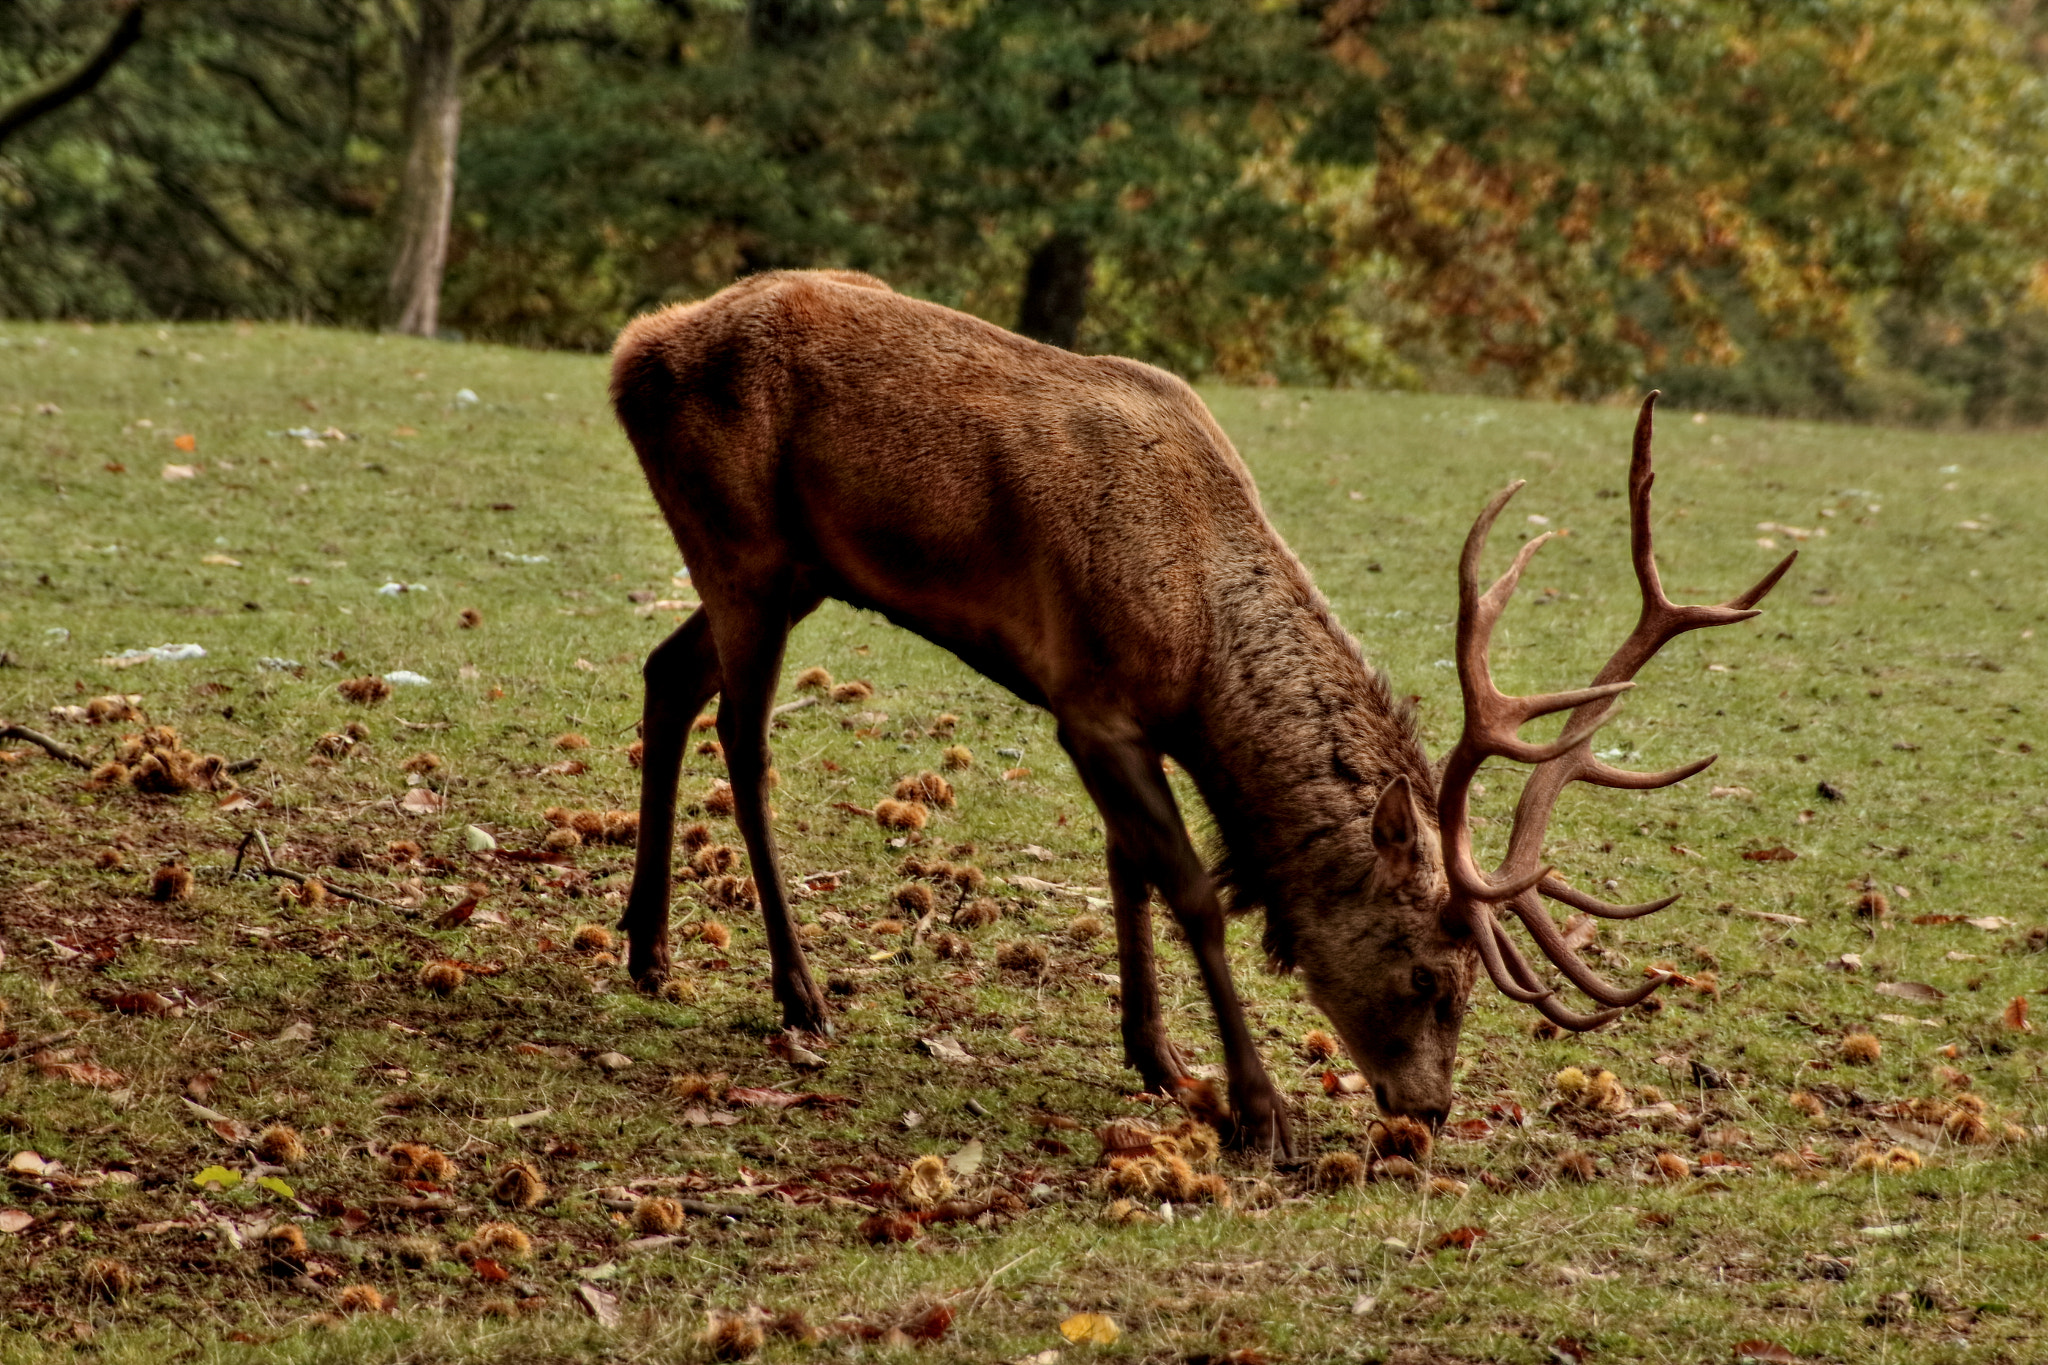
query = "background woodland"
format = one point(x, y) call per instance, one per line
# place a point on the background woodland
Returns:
point(1830, 208)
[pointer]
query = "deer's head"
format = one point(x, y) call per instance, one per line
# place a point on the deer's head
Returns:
point(1394, 967)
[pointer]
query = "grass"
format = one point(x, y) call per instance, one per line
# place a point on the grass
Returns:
point(1896, 666)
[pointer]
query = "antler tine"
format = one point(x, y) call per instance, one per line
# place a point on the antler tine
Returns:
point(1537, 920)
point(1492, 718)
point(1593, 905)
point(1490, 730)
point(1518, 981)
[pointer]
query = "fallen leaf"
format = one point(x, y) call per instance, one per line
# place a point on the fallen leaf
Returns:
point(2015, 1015)
point(930, 1325)
point(217, 1175)
point(489, 1271)
point(602, 1305)
point(1472, 1130)
point(298, 1031)
point(967, 1160)
point(1349, 1084)
point(1780, 854)
point(946, 1050)
point(237, 801)
point(1909, 990)
point(1579, 931)
point(1991, 923)
point(29, 1163)
point(186, 442)
point(1098, 1329)
point(16, 1220)
point(755, 1098)
point(140, 1002)
point(1461, 1238)
point(421, 801)
point(174, 472)
point(276, 1186)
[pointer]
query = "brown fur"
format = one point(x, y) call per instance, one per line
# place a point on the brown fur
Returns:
point(1101, 552)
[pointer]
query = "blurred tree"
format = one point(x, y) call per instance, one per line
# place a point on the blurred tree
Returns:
point(441, 43)
point(81, 78)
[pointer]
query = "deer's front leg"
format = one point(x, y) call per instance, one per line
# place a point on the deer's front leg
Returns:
point(681, 675)
point(1137, 806)
point(1146, 1046)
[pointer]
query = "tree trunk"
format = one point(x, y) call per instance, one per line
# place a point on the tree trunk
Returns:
point(426, 193)
point(1056, 289)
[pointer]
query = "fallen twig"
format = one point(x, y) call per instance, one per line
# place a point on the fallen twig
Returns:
point(64, 755)
point(799, 704)
point(48, 745)
point(271, 869)
point(29, 1047)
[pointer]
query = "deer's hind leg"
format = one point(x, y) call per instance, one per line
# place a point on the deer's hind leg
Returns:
point(750, 644)
point(681, 675)
point(1147, 1048)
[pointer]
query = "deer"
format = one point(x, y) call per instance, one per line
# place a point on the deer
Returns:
point(1080, 530)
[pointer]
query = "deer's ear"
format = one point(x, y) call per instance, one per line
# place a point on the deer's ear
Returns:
point(1397, 832)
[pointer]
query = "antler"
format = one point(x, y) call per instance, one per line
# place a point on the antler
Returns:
point(1492, 723)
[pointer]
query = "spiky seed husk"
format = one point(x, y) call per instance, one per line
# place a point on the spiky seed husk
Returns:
point(471, 618)
point(690, 1087)
point(886, 926)
point(279, 1145)
point(442, 978)
point(693, 836)
point(1579, 1166)
point(422, 762)
point(1671, 1166)
point(170, 882)
point(715, 934)
point(561, 840)
point(913, 899)
point(718, 798)
point(592, 938)
point(676, 990)
point(967, 877)
point(1400, 1136)
point(416, 1253)
point(519, 1186)
point(558, 816)
point(730, 1336)
point(589, 824)
point(1861, 1049)
point(951, 948)
point(360, 1298)
point(622, 827)
point(1570, 1082)
point(285, 1243)
point(1873, 904)
point(367, 690)
point(1026, 957)
point(109, 1278)
point(1319, 1045)
point(848, 692)
point(977, 914)
point(656, 1216)
point(1806, 1103)
point(958, 758)
point(570, 741)
point(1339, 1171)
point(903, 815)
point(814, 680)
point(502, 1242)
point(1396, 1168)
point(1085, 928)
point(924, 1182)
point(636, 754)
point(417, 1161)
point(112, 773)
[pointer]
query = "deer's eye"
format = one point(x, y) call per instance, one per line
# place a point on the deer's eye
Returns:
point(1424, 982)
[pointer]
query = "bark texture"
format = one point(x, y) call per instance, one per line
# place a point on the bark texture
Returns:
point(426, 196)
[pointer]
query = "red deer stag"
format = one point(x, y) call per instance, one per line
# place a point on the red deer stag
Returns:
point(1081, 531)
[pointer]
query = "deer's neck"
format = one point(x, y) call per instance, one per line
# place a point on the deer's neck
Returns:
point(1298, 736)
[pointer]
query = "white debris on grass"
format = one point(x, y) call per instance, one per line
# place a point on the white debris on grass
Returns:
point(279, 665)
point(405, 677)
point(522, 559)
point(465, 397)
point(157, 654)
point(396, 589)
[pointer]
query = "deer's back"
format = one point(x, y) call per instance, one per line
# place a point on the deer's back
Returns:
point(1062, 522)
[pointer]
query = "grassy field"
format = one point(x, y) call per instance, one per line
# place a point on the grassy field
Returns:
point(1881, 723)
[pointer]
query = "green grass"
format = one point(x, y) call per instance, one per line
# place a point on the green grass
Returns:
point(1895, 664)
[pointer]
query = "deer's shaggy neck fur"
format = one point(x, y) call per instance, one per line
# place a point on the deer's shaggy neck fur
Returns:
point(1296, 737)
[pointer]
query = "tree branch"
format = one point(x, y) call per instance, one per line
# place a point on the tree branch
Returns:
point(66, 88)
